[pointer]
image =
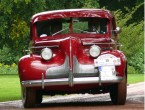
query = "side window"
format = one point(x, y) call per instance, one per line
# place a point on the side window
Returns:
point(98, 25)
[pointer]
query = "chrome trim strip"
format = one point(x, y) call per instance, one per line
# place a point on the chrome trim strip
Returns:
point(71, 79)
point(71, 63)
point(43, 84)
point(65, 81)
point(70, 47)
point(99, 43)
point(38, 47)
point(100, 78)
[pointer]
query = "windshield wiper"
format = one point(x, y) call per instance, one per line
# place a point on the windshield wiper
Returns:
point(59, 31)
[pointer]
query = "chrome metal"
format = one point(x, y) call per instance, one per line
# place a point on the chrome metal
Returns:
point(99, 78)
point(64, 70)
point(48, 82)
point(71, 79)
point(65, 81)
point(37, 47)
point(80, 69)
point(70, 47)
point(117, 30)
point(59, 31)
point(42, 81)
point(88, 80)
point(59, 71)
point(28, 50)
point(84, 43)
point(71, 63)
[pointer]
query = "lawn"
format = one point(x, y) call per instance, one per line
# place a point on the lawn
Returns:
point(135, 78)
point(10, 86)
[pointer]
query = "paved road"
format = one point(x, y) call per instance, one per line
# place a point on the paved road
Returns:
point(135, 101)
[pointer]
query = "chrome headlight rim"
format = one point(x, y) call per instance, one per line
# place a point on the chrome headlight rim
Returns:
point(97, 50)
point(46, 54)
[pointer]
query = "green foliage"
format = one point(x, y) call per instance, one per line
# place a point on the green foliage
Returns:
point(8, 69)
point(7, 56)
point(137, 62)
point(131, 70)
point(19, 35)
point(15, 17)
point(119, 4)
point(132, 35)
point(132, 39)
point(69, 4)
point(90, 4)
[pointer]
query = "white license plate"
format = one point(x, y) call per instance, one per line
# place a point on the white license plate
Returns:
point(107, 62)
point(107, 71)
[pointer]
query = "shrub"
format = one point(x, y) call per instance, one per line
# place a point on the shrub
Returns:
point(132, 36)
point(7, 56)
point(137, 62)
point(8, 69)
point(132, 70)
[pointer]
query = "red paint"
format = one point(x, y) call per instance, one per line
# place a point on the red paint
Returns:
point(71, 44)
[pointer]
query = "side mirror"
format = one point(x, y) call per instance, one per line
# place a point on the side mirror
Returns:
point(117, 30)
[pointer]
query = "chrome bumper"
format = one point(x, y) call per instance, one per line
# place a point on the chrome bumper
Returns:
point(66, 81)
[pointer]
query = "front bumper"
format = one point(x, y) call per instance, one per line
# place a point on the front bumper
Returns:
point(66, 81)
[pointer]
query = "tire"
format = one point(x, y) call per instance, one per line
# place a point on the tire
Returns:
point(28, 97)
point(118, 92)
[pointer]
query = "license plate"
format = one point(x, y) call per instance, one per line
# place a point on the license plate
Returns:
point(107, 70)
point(107, 62)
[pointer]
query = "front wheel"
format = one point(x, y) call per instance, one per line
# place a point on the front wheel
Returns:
point(28, 97)
point(118, 92)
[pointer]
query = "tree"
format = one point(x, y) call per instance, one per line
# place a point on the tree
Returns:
point(14, 27)
point(14, 30)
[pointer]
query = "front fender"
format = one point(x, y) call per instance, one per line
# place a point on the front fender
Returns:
point(31, 67)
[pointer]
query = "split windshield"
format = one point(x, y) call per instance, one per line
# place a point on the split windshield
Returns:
point(88, 25)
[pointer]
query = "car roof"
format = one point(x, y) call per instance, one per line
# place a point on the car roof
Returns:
point(72, 13)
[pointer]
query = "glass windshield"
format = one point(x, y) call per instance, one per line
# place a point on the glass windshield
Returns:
point(54, 27)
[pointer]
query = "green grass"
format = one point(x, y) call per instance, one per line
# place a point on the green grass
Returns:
point(135, 78)
point(10, 86)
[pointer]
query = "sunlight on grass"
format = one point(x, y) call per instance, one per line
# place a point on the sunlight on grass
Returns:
point(9, 88)
point(135, 78)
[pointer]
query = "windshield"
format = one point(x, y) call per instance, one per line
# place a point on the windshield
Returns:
point(54, 27)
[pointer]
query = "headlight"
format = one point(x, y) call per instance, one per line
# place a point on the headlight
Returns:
point(46, 53)
point(95, 50)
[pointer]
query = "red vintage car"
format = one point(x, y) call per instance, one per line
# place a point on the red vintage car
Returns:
point(73, 51)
